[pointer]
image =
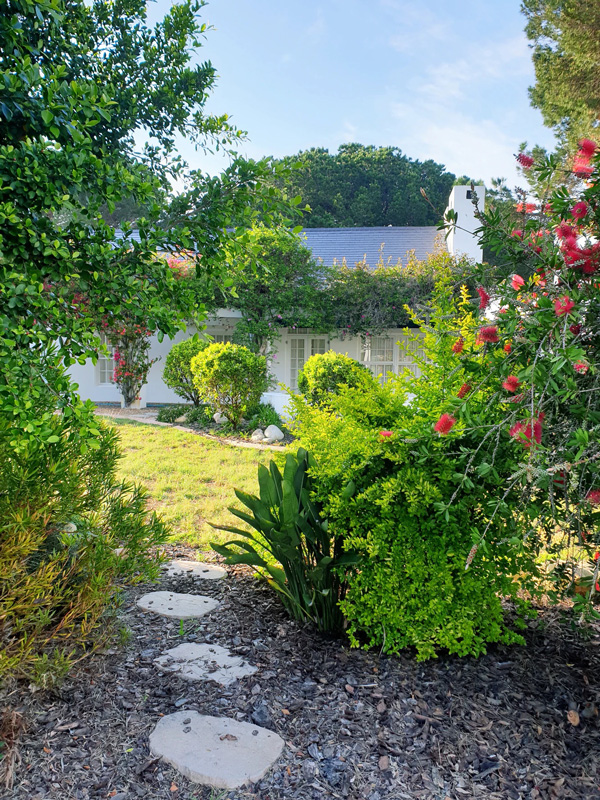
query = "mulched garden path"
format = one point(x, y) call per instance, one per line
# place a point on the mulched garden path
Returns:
point(356, 725)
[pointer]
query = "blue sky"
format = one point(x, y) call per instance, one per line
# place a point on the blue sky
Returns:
point(440, 80)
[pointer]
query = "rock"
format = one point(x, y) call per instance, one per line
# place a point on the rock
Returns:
point(269, 441)
point(197, 569)
point(273, 432)
point(205, 662)
point(180, 419)
point(219, 418)
point(69, 527)
point(178, 606)
point(260, 715)
point(257, 435)
point(215, 751)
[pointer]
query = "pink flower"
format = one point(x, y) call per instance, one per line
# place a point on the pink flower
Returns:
point(526, 433)
point(484, 298)
point(517, 282)
point(385, 434)
point(563, 306)
point(579, 210)
point(511, 384)
point(582, 168)
point(458, 346)
point(517, 233)
point(593, 498)
point(488, 333)
point(525, 161)
point(581, 367)
point(444, 424)
point(587, 148)
point(464, 390)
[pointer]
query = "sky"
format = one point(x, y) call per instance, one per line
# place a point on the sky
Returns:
point(440, 80)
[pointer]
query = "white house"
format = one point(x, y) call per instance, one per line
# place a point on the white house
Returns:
point(381, 354)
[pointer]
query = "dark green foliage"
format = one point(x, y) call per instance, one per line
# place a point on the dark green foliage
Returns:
point(62, 514)
point(177, 373)
point(566, 57)
point(201, 415)
point(171, 413)
point(311, 578)
point(323, 375)
point(230, 378)
point(366, 186)
point(262, 416)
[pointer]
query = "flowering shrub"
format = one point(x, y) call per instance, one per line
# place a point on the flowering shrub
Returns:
point(132, 364)
point(389, 472)
point(544, 353)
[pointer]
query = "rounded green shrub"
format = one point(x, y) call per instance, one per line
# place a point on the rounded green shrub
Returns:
point(177, 373)
point(322, 376)
point(230, 378)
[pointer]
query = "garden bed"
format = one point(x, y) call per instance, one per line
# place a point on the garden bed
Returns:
point(357, 725)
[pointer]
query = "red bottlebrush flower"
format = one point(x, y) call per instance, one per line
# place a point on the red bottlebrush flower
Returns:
point(385, 434)
point(575, 329)
point(458, 346)
point(528, 208)
point(512, 383)
point(525, 161)
point(593, 497)
point(484, 298)
point(596, 555)
point(507, 347)
point(503, 311)
point(444, 424)
point(564, 230)
point(582, 168)
point(517, 233)
point(464, 390)
point(517, 282)
point(489, 333)
point(526, 433)
point(579, 210)
point(587, 148)
point(559, 478)
point(563, 306)
point(581, 367)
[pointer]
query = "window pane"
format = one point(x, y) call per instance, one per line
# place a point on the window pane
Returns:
point(106, 364)
point(318, 346)
point(297, 359)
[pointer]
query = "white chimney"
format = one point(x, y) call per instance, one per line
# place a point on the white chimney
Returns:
point(461, 240)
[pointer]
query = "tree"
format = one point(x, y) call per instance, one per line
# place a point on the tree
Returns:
point(80, 81)
point(368, 186)
point(276, 284)
point(566, 56)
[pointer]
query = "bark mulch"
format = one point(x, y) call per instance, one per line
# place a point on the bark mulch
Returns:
point(356, 724)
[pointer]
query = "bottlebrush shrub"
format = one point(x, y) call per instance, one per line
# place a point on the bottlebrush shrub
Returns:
point(62, 514)
point(394, 491)
point(323, 374)
point(230, 378)
point(541, 369)
point(177, 373)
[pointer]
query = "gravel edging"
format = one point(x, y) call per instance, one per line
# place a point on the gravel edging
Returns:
point(356, 725)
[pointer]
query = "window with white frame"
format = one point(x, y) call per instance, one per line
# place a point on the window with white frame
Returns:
point(105, 366)
point(383, 354)
point(220, 338)
point(301, 348)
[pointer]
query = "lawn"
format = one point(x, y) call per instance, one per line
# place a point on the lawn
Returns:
point(190, 479)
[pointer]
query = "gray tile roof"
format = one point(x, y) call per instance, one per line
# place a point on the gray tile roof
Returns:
point(353, 244)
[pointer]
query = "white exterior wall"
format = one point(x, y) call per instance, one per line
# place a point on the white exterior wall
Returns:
point(87, 376)
point(463, 241)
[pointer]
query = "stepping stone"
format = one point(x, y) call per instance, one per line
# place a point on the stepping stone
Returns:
point(205, 662)
point(210, 572)
point(179, 606)
point(215, 751)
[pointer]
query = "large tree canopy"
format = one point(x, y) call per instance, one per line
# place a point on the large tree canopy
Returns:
point(566, 56)
point(368, 186)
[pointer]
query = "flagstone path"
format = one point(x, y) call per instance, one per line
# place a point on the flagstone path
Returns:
point(214, 751)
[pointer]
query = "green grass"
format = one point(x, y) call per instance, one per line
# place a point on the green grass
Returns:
point(190, 479)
